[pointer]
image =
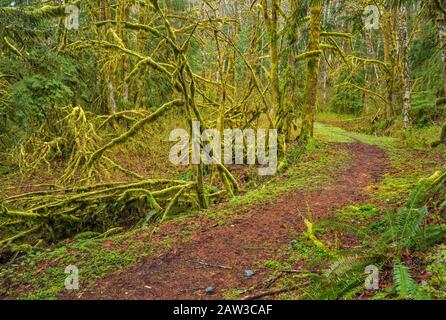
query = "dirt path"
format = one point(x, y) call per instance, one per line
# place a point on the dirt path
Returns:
point(190, 267)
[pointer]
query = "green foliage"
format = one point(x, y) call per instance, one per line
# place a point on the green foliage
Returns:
point(436, 259)
point(344, 279)
point(345, 99)
point(425, 110)
point(45, 217)
point(420, 138)
point(426, 64)
point(416, 226)
point(71, 139)
point(407, 225)
point(42, 271)
point(40, 76)
point(344, 287)
point(86, 235)
point(405, 285)
point(40, 86)
point(33, 96)
point(361, 213)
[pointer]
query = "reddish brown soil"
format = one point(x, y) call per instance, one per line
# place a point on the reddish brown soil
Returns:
point(189, 267)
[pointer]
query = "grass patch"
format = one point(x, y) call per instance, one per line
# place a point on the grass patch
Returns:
point(313, 168)
point(409, 161)
point(41, 274)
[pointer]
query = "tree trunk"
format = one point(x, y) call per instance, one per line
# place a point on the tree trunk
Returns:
point(310, 97)
point(389, 59)
point(442, 138)
point(441, 23)
point(271, 24)
point(405, 67)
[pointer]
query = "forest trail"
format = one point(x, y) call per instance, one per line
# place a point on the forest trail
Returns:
point(217, 256)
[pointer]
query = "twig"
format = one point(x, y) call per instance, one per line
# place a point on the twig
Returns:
point(214, 265)
point(300, 271)
point(271, 293)
point(273, 280)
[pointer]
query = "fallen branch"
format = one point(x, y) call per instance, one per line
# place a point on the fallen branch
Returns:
point(271, 293)
point(214, 265)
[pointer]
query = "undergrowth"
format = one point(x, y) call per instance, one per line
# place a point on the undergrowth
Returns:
point(41, 274)
point(400, 234)
point(339, 252)
point(308, 167)
point(332, 253)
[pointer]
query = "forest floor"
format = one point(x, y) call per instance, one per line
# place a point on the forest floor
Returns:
point(217, 256)
point(240, 248)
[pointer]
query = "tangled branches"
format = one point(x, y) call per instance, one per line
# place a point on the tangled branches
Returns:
point(73, 141)
point(76, 140)
point(35, 218)
point(4, 96)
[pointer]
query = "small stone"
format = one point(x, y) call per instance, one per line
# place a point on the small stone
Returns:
point(209, 290)
point(249, 273)
point(293, 242)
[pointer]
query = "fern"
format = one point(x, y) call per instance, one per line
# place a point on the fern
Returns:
point(408, 227)
point(349, 264)
point(405, 285)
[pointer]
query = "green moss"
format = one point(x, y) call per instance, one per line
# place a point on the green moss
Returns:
point(314, 169)
point(43, 273)
point(436, 259)
point(361, 213)
point(335, 134)
point(233, 294)
point(276, 265)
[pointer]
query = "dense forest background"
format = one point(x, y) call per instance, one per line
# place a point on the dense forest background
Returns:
point(90, 90)
point(393, 75)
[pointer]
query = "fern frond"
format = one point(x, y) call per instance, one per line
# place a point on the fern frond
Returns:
point(403, 281)
point(405, 285)
point(409, 225)
point(349, 263)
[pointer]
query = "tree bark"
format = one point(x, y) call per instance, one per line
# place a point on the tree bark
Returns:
point(389, 59)
point(441, 23)
point(271, 24)
point(310, 96)
point(405, 67)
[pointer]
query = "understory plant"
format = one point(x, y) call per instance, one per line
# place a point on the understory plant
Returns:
point(386, 244)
